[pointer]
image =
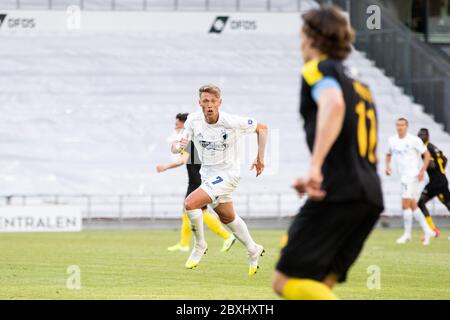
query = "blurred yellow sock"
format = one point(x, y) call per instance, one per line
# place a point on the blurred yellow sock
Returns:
point(306, 289)
point(215, 225)
point(185, 231)
point(430, 222)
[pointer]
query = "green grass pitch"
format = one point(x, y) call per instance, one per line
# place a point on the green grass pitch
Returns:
point(137, 265)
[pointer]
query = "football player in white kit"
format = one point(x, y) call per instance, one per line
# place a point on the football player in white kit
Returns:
point(407, 150)
point(216, 136)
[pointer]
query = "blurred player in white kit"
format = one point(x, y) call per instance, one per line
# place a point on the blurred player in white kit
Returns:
point(407, 150)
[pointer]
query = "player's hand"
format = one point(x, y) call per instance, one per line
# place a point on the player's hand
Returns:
point(314, 184)
point(160, 168)
point(259, 165)
point(421, 176)
point(184, 143)
point(388, 171)
point(311, 185)
point(300, 186)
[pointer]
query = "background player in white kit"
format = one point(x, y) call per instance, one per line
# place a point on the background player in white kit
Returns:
point(216, 137)
point(407, 151)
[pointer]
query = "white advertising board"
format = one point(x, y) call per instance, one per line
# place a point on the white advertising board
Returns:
point(158, 22)
point(40, 219)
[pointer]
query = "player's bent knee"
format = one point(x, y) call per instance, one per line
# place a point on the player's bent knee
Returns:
point(406, 204)
point(226, 219)
point(421, 203)
point(189, 205)
point(225, 212)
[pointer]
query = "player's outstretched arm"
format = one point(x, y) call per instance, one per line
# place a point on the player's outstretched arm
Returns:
point(261, 132)
point(163, 167)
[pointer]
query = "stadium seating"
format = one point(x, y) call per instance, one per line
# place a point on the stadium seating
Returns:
point(90, 113)
point(158, 5)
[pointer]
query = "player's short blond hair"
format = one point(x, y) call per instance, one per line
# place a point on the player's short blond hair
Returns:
point(210, 88)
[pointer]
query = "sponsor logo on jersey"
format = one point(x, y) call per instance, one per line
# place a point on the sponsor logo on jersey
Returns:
point(216, 146)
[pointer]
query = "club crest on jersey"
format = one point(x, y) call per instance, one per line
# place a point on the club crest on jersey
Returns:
point(224, 135)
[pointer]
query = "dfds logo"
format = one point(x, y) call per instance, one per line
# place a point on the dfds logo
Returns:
point(220, 23)
point(15, 23)
point(2, 18)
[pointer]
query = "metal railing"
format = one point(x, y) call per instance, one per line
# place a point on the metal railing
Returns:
point(144, 5)
point(169, 206)
point(155, 206)
point(415, 66)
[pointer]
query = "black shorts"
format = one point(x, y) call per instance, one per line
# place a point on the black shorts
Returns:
point(440, 190)
point(326, 238)
point(191, 188)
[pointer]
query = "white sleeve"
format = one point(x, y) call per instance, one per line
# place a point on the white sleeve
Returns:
point(243, 124)
point(419, 145)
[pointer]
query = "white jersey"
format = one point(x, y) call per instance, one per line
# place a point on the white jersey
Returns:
point(218, 145)
point(407, 155)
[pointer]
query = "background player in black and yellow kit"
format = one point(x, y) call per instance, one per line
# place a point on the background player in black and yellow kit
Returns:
point(438, 184)
point(190, 158)
point(343, 186)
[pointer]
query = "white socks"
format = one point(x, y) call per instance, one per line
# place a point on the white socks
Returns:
point(196, 219)
point(238, 227)
point(240, 230)
point(408, 221)
point(423, 223)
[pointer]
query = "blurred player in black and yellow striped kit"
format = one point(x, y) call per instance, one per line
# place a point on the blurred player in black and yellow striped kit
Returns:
point(190, 158)
point(343, 187)
point(438, 184)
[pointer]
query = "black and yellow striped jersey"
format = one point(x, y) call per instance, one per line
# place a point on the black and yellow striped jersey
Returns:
point(438, 161)
point(350, 168)
point(193, 165)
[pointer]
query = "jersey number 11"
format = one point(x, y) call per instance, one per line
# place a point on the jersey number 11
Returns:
point(367, 135)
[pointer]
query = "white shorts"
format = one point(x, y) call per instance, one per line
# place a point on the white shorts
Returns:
point(220, 187)
point(412, 190)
